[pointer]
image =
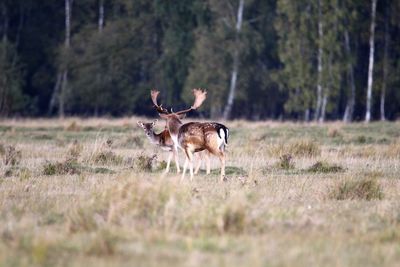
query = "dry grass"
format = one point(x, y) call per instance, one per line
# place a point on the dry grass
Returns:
point(93, 193)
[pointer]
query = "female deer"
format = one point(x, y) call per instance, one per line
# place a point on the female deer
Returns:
point(194, 136)
point(163, 140)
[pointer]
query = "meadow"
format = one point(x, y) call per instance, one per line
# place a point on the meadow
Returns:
point(92, 192)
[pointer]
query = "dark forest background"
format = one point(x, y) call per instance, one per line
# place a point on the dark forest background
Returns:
point(258, 59)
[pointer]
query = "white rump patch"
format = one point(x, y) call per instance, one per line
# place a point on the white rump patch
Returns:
point(221, 137)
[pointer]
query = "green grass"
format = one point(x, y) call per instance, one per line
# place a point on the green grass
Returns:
point(91, 193)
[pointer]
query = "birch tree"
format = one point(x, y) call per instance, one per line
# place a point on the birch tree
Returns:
point(349, 111)
point(61, 84)
point(320, 57)
point(385, 63)
point(235, 67)
point(371, 61)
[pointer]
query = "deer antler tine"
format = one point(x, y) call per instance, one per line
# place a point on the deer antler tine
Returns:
point(154, 94)
point(199, 97)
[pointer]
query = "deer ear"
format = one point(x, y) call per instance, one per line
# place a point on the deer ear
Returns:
point(154, 122)
point(140, 124)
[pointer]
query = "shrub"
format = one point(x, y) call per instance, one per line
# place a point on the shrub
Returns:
point(60, 168)
point(104, 155)
point(366, 188)
point(324, 167)
point(107, 157)
point(145, 163)
point(285, 162)
point(12, 156)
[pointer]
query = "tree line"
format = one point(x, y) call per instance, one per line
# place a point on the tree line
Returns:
point(259, 59)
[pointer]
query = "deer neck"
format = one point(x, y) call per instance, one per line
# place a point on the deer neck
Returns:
point(173, 126)
point(154, 138)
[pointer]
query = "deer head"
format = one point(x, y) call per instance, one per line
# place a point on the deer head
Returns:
point(148, 127)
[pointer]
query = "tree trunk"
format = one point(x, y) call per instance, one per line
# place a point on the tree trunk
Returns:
point(232, 88)
point(101, 16)
point(348, 114)
point(327, 89)
point(385, 65)
point(371, 62)
point(100, 24)
point(64, 87)
point(319, 68)
point(55, 94)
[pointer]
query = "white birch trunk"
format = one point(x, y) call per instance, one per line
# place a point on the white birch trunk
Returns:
point(371, 62)
point(348, 114)
point(101, 16)
point(385, 66)
point(319, 68)
point(235, 70)
point(64, 86)
point(98, 76)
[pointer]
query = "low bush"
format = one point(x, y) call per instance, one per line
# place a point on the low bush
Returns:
point(324, 167)
point(367, 188)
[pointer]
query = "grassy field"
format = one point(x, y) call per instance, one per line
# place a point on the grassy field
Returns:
point(92, 193)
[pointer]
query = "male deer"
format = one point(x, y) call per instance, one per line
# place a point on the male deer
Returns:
point(194, 136)
point(164, 141)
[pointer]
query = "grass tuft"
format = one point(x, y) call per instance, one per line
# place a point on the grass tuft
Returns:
point(301, 148)
point(324, 167)
point(285, 162)
point(61, 168)
point(2, 149)
point(145, 163)
point(334, 132)
point(367, 188)
point(73, 127)
point(12, 156)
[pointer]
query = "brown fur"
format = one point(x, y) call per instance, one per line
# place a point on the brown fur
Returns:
point(193, 136)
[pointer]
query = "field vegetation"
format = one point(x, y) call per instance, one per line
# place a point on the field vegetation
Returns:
point(92, 192)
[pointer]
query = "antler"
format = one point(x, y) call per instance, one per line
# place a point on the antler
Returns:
point(199, 97)
point(160, 109)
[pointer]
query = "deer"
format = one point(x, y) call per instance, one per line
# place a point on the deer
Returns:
point(194, 137)
point(164, 141)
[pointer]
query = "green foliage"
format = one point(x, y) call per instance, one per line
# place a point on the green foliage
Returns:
point(178, 45)
point(12, 98)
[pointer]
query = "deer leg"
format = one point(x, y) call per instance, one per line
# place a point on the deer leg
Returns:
point(184, 168)
point(175, 153)
point(190, 158)
point(168, 162)
point(208, 162)
point(200, 159)
point(222, 159)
